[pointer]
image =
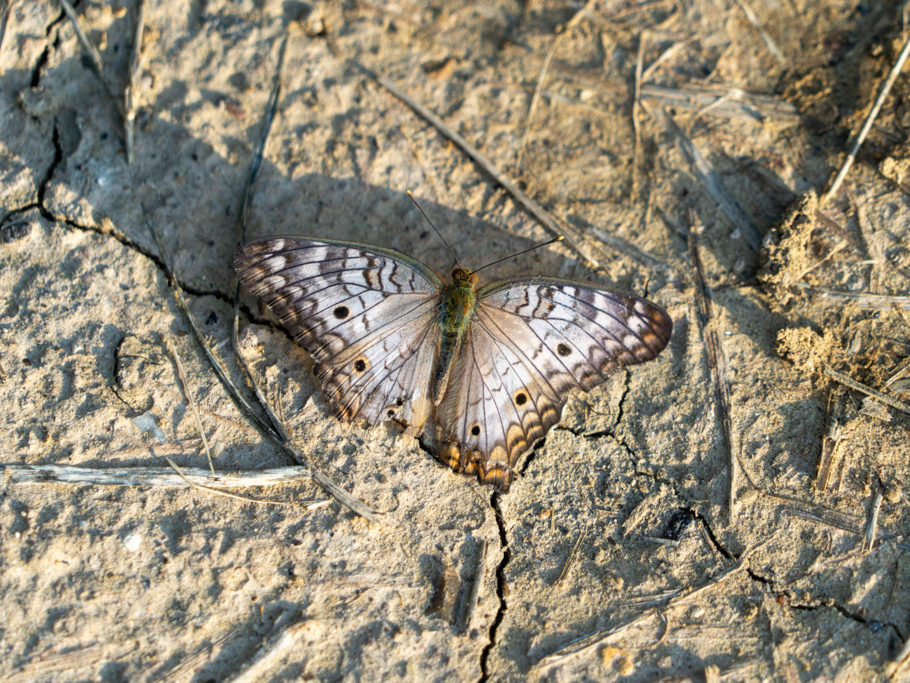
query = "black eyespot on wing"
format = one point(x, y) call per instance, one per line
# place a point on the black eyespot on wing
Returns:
point(390, 413)
point(563, 349)
point(361, 364)
point(341, 312)
point(521, 398)
point(475, 429)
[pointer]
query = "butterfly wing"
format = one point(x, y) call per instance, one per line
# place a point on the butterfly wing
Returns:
point(531, 343)
point(368, 317)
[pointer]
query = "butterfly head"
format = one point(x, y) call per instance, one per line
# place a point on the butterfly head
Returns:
point(462, 277)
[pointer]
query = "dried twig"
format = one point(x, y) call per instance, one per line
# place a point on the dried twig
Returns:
point(867, 124)
point(869, 391)
point(709, 178)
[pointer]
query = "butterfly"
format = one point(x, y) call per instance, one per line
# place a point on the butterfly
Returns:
point(480, 375)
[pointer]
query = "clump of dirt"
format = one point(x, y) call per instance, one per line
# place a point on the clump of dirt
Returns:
point(808, 350)
point(791, 256)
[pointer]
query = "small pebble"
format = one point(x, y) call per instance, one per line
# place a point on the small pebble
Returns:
point(132, 542)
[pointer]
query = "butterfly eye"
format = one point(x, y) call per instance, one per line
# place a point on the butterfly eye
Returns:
point(475, 429)
point(361, 364)
point(521, 398)
point(563, 349)
point(341, 312)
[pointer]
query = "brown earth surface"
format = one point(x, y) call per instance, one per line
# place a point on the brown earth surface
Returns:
point(734, 510)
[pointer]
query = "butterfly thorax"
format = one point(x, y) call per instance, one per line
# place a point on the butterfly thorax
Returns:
point(458, 302)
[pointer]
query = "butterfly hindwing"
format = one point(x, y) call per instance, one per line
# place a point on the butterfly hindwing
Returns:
point(367, 316)
point(531, 343)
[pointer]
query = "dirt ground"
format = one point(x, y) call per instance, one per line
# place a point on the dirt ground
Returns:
point(734, 510)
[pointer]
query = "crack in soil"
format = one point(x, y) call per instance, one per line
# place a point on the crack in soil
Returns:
point(500, 588)
point(786, 597)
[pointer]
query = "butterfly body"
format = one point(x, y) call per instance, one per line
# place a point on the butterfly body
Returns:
point(458, 302)
point(481, 375)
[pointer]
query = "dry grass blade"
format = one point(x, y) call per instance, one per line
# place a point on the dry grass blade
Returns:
point(44, 665)
point(571, 558)
point(872, 525)
point(581, 644)
point(726, 102)
point(717, 364)
point(832, 518)
point(240, 237)
point(272, 651)
point(869, 391)
point(831, 439)
point(150, 476)
point(867, 124)
point(184, 670)
point(709, 178)
point(91, 52)
point(273, 426)
point(234, 496)
point(769, 42)
point(860, 299)
point(899, 669)
point(129, 93)
point(181, 380)
point(593, 255)
point(549, 223)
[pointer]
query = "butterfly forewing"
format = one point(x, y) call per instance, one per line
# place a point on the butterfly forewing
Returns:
point(367, 316)
point(531, 344)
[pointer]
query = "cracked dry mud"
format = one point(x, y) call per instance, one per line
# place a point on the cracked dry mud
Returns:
point(619, 526)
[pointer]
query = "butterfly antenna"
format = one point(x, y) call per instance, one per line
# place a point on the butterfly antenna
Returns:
point(558, 238)
point(435, 229)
